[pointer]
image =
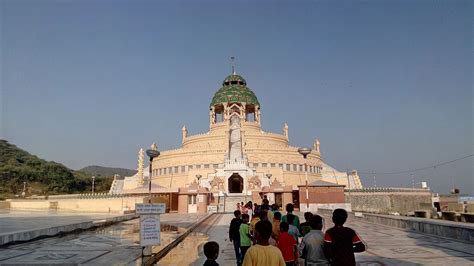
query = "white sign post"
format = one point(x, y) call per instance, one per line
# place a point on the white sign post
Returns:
point(149, 224)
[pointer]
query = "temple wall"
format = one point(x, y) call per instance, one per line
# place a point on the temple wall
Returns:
point(380, 200)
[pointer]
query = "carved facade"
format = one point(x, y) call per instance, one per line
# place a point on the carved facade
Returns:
point(236, 154)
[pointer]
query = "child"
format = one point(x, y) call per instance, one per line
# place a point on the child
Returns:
point(263, 254)
point(245, 238)
point(293, 230)
point(311, 247)
point(305, 227)
point(287, 245)
point(234, 235)
point(341, 242)
point(253, 222)
point(289, 210)
point(211, 250)
point(276, 226)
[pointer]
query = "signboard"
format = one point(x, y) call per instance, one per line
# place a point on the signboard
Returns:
point(149, 229)
point(147, 208)
point(211, 209)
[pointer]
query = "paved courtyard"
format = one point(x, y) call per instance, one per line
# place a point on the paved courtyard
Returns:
point(386, 246)
point(113, 245)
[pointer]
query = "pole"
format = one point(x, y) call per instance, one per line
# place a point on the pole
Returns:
point(349, 186)
point(93, 183)
point(149, 180)
point(306, 180)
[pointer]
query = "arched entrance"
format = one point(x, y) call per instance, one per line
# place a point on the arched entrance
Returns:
point(236, 183)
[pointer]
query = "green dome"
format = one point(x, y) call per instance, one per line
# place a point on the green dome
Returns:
point(234, 89)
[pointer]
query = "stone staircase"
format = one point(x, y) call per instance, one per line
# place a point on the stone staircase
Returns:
point(232, 200)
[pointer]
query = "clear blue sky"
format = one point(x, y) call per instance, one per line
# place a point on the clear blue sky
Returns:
point(385, 85)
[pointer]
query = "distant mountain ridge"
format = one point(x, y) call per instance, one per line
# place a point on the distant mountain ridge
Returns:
point(103, 171)
point(40, 177)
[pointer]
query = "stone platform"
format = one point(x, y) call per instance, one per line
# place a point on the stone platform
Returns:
point(112, 245)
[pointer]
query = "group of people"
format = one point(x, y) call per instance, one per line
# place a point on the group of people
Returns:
point(263, 236)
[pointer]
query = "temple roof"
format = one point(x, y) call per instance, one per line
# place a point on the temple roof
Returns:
point(234, 89)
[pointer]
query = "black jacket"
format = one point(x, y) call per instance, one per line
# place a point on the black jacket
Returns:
point(234, 228)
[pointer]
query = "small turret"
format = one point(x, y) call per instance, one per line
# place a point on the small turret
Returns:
point(184, 132)
point(316, 145)
point(285, 130)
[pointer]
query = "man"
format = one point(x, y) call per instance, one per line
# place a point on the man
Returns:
point(341, 242)
point(263, 254)
point(234, 235)
point(289, 210)
point(312, 245)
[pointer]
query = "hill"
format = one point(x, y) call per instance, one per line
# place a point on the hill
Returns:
point(42, 177)
point(107, 171)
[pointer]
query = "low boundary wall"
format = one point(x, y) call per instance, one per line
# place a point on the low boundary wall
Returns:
point(455, 230)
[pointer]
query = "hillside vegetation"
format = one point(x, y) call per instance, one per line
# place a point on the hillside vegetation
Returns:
point(107, 171)
point(42, 177)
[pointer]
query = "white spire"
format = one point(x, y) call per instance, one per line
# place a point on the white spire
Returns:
point(233, 65)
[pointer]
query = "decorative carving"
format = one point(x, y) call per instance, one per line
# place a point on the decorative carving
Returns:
point(285, 130)
point(254, 183)
point(217, 184)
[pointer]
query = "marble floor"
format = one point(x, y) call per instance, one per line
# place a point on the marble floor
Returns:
point(113, 245)
point(386, 246)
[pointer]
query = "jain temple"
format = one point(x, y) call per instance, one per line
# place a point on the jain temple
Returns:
point(236, 157)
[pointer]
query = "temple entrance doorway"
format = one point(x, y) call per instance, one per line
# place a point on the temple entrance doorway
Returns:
point(236, 183)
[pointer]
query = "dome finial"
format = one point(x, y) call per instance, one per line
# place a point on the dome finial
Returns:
point(233, 65)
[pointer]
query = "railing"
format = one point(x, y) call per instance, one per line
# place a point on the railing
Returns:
point(239, 161)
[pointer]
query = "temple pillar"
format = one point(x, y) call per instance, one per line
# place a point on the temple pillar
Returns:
point(182, 203)
point(287, 197)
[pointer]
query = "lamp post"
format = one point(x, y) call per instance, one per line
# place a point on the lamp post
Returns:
point(23, 193)
point(93, 183)
point(305, 152)
point(198, 177)
point(152, 153)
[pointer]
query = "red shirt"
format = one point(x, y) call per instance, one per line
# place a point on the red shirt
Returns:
point(341, 239)
point(287, 244)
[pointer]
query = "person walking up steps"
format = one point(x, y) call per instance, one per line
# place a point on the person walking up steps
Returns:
point(263, 254)
point(245, 238)
point(341, 242)
point(234, 235)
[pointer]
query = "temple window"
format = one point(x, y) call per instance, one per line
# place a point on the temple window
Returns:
point(176, 169)
point(264, 164)
point(206, 166)
point(183, 169)
point(215, 166)
point(280, 165)
point(170, 170)
point(198, 166)
point(295, 167)
point(272, 165)
point(288, 167)
point(190, 167)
